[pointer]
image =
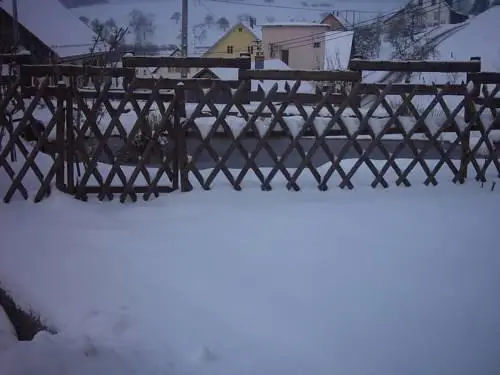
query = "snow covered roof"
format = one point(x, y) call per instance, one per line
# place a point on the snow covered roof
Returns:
point(57, 27)
point(229, 74)
point(217, 37)
point(339, 18)
point(338, 46)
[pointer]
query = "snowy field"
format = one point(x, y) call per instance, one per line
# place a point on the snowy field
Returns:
point(369, 281)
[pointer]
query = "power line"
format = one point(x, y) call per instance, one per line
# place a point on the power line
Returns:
point(430, 7)
point(310, 9)
point(332, 37)
point(316, 9)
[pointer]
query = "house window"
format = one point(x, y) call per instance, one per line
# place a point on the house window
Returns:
point(285, 56)
point(240, 29)
point(250, 50)
point(175, 69)
point(433, 2)
point(273, 50)
point(317, 44)
point(420, 2)
point(230, 49)
point(436, 16)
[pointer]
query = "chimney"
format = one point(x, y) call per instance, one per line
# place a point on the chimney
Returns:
point(259, 61)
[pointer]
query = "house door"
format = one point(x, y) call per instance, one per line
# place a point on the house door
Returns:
point(284, 56)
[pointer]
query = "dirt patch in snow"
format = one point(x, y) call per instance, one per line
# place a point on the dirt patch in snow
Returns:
point(26, 324)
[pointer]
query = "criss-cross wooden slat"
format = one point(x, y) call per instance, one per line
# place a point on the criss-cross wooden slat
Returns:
point(376, 139)
point(30, 160)
point(235, 140)
point(5, 125)
point(262, 142)
point(433, 139)
point(488, 103)
point(16, 141)
point(103, 144)
point(294, 144)
point(407, 136)
point(305, 156)
point(141, 165)
point(205, 99)
point(116, 169)
point(353, 142)
point(444, 154)
point(175, 164)
point(320, 140)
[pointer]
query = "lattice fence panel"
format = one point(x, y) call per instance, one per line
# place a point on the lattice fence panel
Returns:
point(431, 156)
point(27, 168)
point(126, 145)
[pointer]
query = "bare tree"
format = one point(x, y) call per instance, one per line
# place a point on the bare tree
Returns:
point(367, 40)
point(403, 31)
point(223, 23)
point(209, 19)
point(85, 20)
point(106, 30)
point(176, 16)
point(142, 25)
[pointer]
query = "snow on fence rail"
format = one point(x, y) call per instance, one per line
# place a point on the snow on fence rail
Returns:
point(144, 138)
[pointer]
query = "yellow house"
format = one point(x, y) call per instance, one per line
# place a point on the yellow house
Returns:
point(238, 39)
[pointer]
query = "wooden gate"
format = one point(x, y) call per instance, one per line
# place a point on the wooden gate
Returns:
point(92, 149)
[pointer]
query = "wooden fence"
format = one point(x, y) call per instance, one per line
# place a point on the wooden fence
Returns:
point(106, 141)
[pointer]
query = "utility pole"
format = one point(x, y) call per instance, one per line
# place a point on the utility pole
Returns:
point(184, 34)
point(15, 25)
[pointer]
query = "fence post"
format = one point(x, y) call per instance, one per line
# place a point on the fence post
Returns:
point(181, 155)
point(468, 115)
point(353, 67)
point(60, 135)
point(70, 146)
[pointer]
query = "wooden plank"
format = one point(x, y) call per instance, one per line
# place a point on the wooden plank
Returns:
point(191, 83)
point(495, 102)
point(276, 134)
point(416, 66)
point(75, 70)
point(397, 89)
point(185, 62)
point(7, 80)
point(121, 189)
point(304, 75)
point(9, 58)
point(485, 77)
point(302, 98)
point(54, 92)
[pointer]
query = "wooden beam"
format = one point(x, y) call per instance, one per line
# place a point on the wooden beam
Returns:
point(485, 77)
point(189, 84)
point(304, 75)
point(185, 62)
point(10, 58)
point(416, 66)
point(75, 70)
point(397, 89)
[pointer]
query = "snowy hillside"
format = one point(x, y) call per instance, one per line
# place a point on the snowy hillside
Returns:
point(475, 39)
point(204, 15)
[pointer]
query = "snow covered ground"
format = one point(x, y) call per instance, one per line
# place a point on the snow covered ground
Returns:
point(370, 281)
